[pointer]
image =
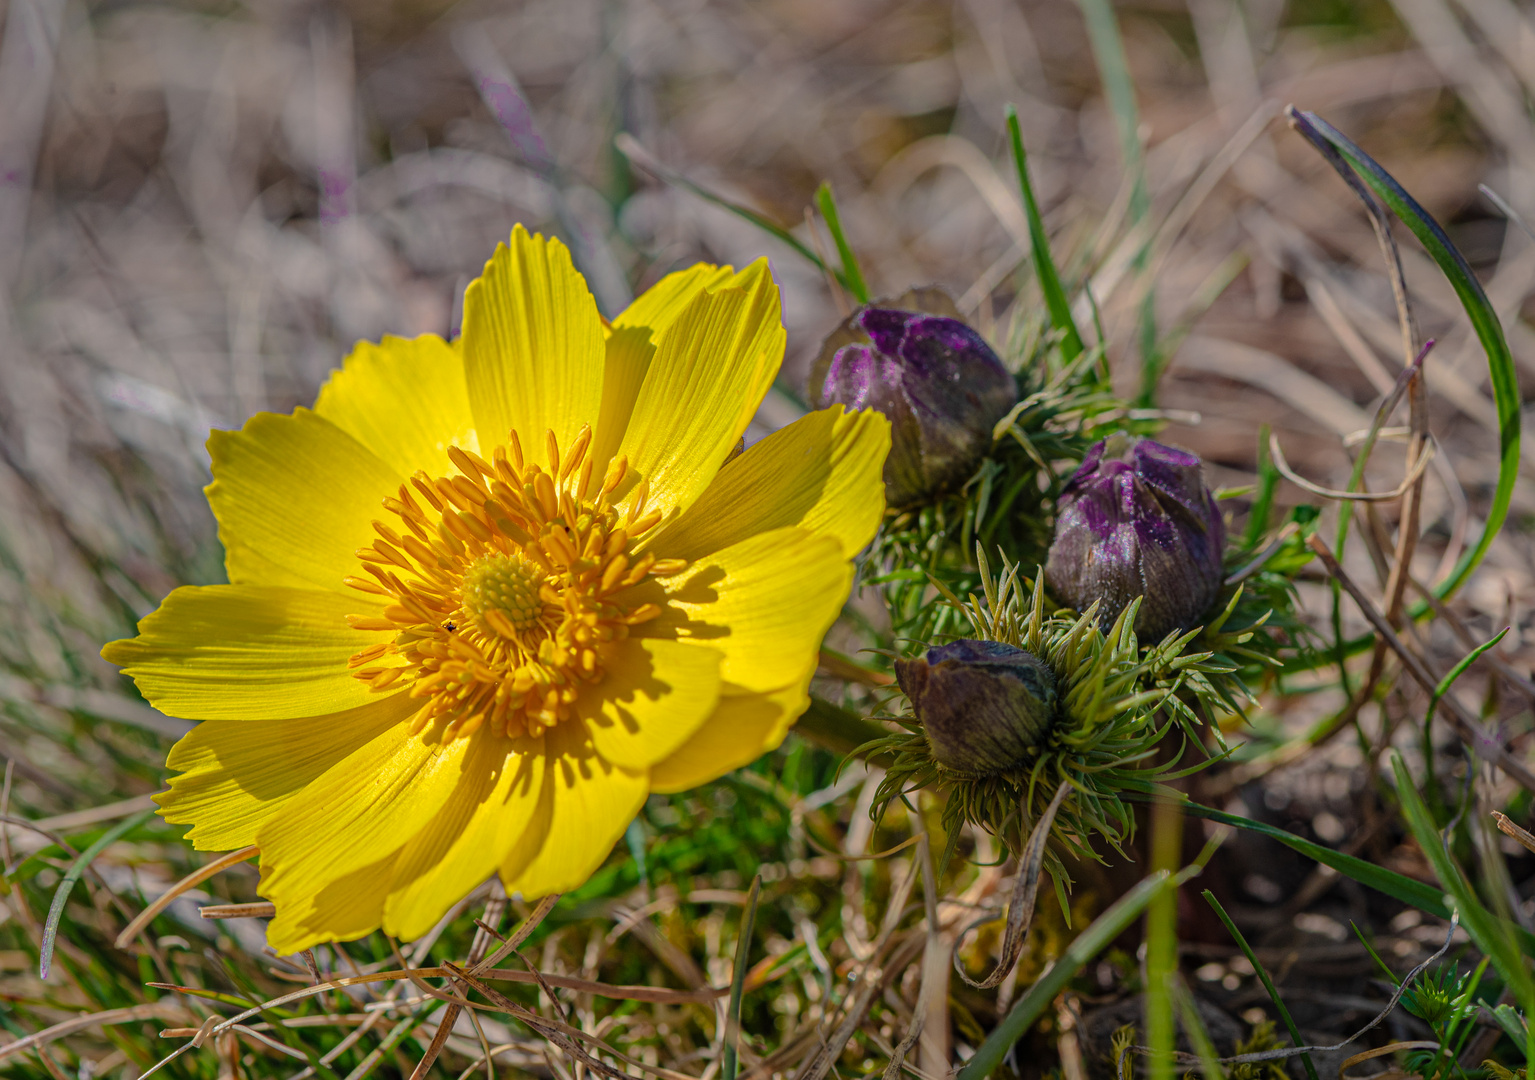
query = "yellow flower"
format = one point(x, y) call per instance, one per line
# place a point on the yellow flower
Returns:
point(489, 594)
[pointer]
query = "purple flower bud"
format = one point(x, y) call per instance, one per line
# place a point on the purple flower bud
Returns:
point(1137, 520)
point(935, 378)
point(983, 705)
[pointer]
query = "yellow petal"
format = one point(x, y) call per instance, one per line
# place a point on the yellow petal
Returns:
point(821, 473)
point(481, 824)
point(587, 804)
point(653, 695)
point(711, 368)
point(245, 652)
point(533, 346)
point(235, 774)
point(361, 810)
point(765, 603)
point(742, 729)
point(631, 345)
point(405, 399)
point(294, 497)
point(348, 907)
point(658, 306)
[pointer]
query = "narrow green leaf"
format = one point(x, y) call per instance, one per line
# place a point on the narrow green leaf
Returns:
point(1458, 670)
point(1089, 944)
point(731, 1062)
point(1497, 938)
point(1403, 888)
point(1484, 319)
point(72, 875)
point(631, 149)
point(851, 276)
point(396, 1036)
point(1162, 942)
point(1119, 88)
point(1263, 976)
point(1263, 498)
point(1044, 263)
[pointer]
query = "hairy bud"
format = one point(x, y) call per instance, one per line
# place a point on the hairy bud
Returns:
point(984, 705)
point(1137, 520)
point(935, 378)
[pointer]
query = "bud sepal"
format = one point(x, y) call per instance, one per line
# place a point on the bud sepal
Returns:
point(1137, 519)
point(1109, 706)
point(985, 706)
point(932, 375)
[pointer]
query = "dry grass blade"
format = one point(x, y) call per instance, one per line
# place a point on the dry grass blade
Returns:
point(310, 991)
point(439, 1039)
point(1382, 1051)
point(658, 994)
point(259, 909)
point(269, 1042)
point(1419, 450)
point(934, 1048)
point(158, 1010)
point(1507, 826)
point(1414, 476)
point(1285, 1053)
point(477, 965)
point(1485, 743)
point(869, 981)
point(511, 944)
point(562, 1035)
point(164, 900)
point(1272, 373)
point(1020, 912)
point(898, 1057)
point(826, 1054)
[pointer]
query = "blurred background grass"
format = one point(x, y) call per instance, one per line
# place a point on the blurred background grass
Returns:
point(203, 205)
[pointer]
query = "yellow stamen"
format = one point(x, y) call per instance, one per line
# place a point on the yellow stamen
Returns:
point(498, 583)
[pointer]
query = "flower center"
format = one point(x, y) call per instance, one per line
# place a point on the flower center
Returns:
point(500, 592)
point(502, 584)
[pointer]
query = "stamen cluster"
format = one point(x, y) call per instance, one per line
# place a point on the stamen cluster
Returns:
point(502, 587)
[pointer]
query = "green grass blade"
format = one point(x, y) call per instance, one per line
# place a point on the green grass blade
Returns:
point(1198, 1034)
point(1451, 1048)
point(375, 1057)
point(1495, 937)
point(1263, 498)
point(731, 1062)
point(1489, 330)
point(1162, 942)
point(1044, 264)
point(1458, 670)
point(1384, 967)
point(1263, 977)
point(1119, 88)
point(631, 149)
point(1089, 944)
point(1419, 895)
point(1403, 888)
point(72, 875)
point(851, 276)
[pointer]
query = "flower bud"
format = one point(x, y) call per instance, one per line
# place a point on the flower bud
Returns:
point(935, 378)
point(1137, 520)
point(984, 705)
